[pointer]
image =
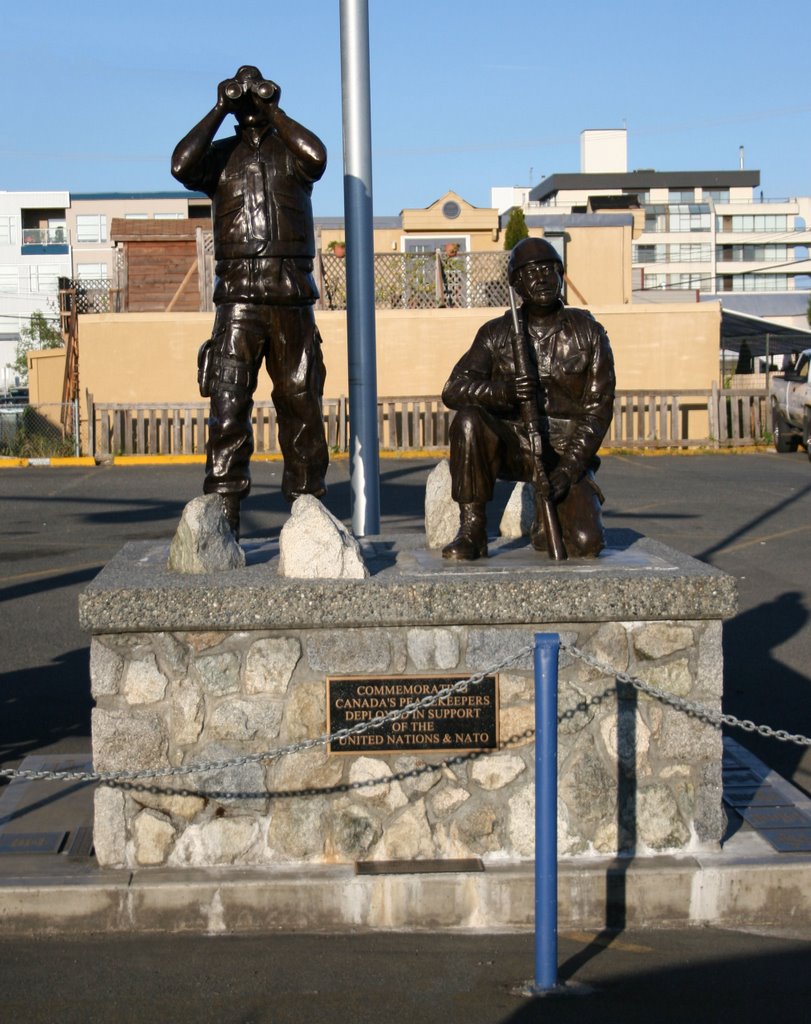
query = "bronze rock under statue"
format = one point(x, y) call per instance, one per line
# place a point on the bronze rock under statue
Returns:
point(534, 396)
point(260, 182)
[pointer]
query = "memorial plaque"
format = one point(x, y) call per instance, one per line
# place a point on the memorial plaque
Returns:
point(31, 842)
point(467, 720)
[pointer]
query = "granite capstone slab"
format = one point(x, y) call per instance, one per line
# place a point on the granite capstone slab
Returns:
point(636, 579)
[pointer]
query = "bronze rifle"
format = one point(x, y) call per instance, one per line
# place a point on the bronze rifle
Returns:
point(545, 509)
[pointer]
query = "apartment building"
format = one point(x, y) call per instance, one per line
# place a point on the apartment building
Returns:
point(90, 216)
point(34, 254)
point(711, 232)
point(48, 235)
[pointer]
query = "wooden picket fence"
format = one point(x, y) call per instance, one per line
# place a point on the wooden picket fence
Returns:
point(642, 419)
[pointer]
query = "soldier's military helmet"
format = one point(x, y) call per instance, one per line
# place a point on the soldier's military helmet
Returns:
point(531, 250)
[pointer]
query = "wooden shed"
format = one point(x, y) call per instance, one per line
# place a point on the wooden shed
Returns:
point(158, 268)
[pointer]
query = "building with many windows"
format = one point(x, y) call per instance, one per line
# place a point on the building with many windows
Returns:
point(48, 235)
point(90, 217)
point(711, 232)
point(34, 254)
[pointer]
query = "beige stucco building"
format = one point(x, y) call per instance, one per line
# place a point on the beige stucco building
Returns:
point(149, 358)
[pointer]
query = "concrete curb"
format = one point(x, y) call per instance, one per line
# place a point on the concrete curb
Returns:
point(753, 889)
point(79, 460)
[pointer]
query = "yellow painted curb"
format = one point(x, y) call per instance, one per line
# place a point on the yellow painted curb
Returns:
point(388, 453)
point(158, 460)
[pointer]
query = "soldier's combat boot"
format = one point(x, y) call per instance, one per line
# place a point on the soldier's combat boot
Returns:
point(230, 509)
point(470, 542)
point(537, 534)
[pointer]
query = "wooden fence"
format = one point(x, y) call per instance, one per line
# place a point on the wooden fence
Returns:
point(642, 419)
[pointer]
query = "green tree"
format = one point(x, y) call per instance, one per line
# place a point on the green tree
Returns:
point(516, 228)
point(40, 332)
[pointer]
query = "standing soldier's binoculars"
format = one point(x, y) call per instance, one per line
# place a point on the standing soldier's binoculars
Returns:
point(263, 89)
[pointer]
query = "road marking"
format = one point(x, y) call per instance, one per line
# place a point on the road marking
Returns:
point(762, 539)
point(49, 572)
point(606, 940)
point(637, 461)
point(636, 509)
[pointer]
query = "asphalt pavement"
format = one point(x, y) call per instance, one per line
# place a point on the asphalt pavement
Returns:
point(746, 514)
point(701, 976)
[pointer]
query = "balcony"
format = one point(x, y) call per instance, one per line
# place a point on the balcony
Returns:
point(44, 242)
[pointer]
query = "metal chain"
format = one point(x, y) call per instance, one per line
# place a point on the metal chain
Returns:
point(690, 707)
point(268, 755)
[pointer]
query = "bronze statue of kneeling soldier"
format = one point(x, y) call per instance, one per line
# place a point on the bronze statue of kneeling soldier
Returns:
point(534, 398)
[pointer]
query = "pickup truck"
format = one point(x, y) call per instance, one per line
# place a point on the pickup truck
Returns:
point(790, 397)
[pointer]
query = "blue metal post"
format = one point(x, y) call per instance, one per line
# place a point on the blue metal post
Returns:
point(547, 648)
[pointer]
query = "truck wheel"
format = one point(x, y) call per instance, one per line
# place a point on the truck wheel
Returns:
point(807, 434)
point(784, 440)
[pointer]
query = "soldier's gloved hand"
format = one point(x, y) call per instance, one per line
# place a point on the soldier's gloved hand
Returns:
point(520, 389)
point(267, 92)
point(226, 103)
point(560, 480)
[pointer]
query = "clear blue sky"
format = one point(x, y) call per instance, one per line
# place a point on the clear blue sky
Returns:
point(465, 94)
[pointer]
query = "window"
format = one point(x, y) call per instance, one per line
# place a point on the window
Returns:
point(691, 281)
point(92, 271)
point(695, 282)
point(758, 283)
point(91, 227)
point(43, 279)
point(753, 253)
point(690, 253)
point(9, 280)
point(169, 216)
point(681, 195)
point(655, 218)
point(7, 232)
point(649, 253)
point(430, 245)
point(136, 216)
point(754, 222)
point(689, 217)
point(718, 195)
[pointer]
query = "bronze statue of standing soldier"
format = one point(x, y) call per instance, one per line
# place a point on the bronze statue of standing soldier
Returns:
point(260, 182)
point(534, 396)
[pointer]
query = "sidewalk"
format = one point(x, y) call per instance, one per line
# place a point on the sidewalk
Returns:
point(51, 884)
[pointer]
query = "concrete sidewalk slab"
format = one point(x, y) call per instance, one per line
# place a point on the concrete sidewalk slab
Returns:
point(746, 884)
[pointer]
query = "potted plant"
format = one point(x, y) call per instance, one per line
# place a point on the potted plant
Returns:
point(337, 247)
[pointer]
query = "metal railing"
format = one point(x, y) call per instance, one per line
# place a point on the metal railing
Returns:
point(423, 280)
point(44, 236)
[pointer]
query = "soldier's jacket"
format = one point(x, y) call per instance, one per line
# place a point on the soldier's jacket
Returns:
point(260, 197)
point(575, 374)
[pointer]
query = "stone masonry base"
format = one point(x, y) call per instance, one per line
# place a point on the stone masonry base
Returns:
point(190, 670)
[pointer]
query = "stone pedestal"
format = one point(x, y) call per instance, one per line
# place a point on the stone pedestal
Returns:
point(194, 669)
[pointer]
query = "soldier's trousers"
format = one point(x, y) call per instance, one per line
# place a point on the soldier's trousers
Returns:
point(287, 340)
point(486, 448)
